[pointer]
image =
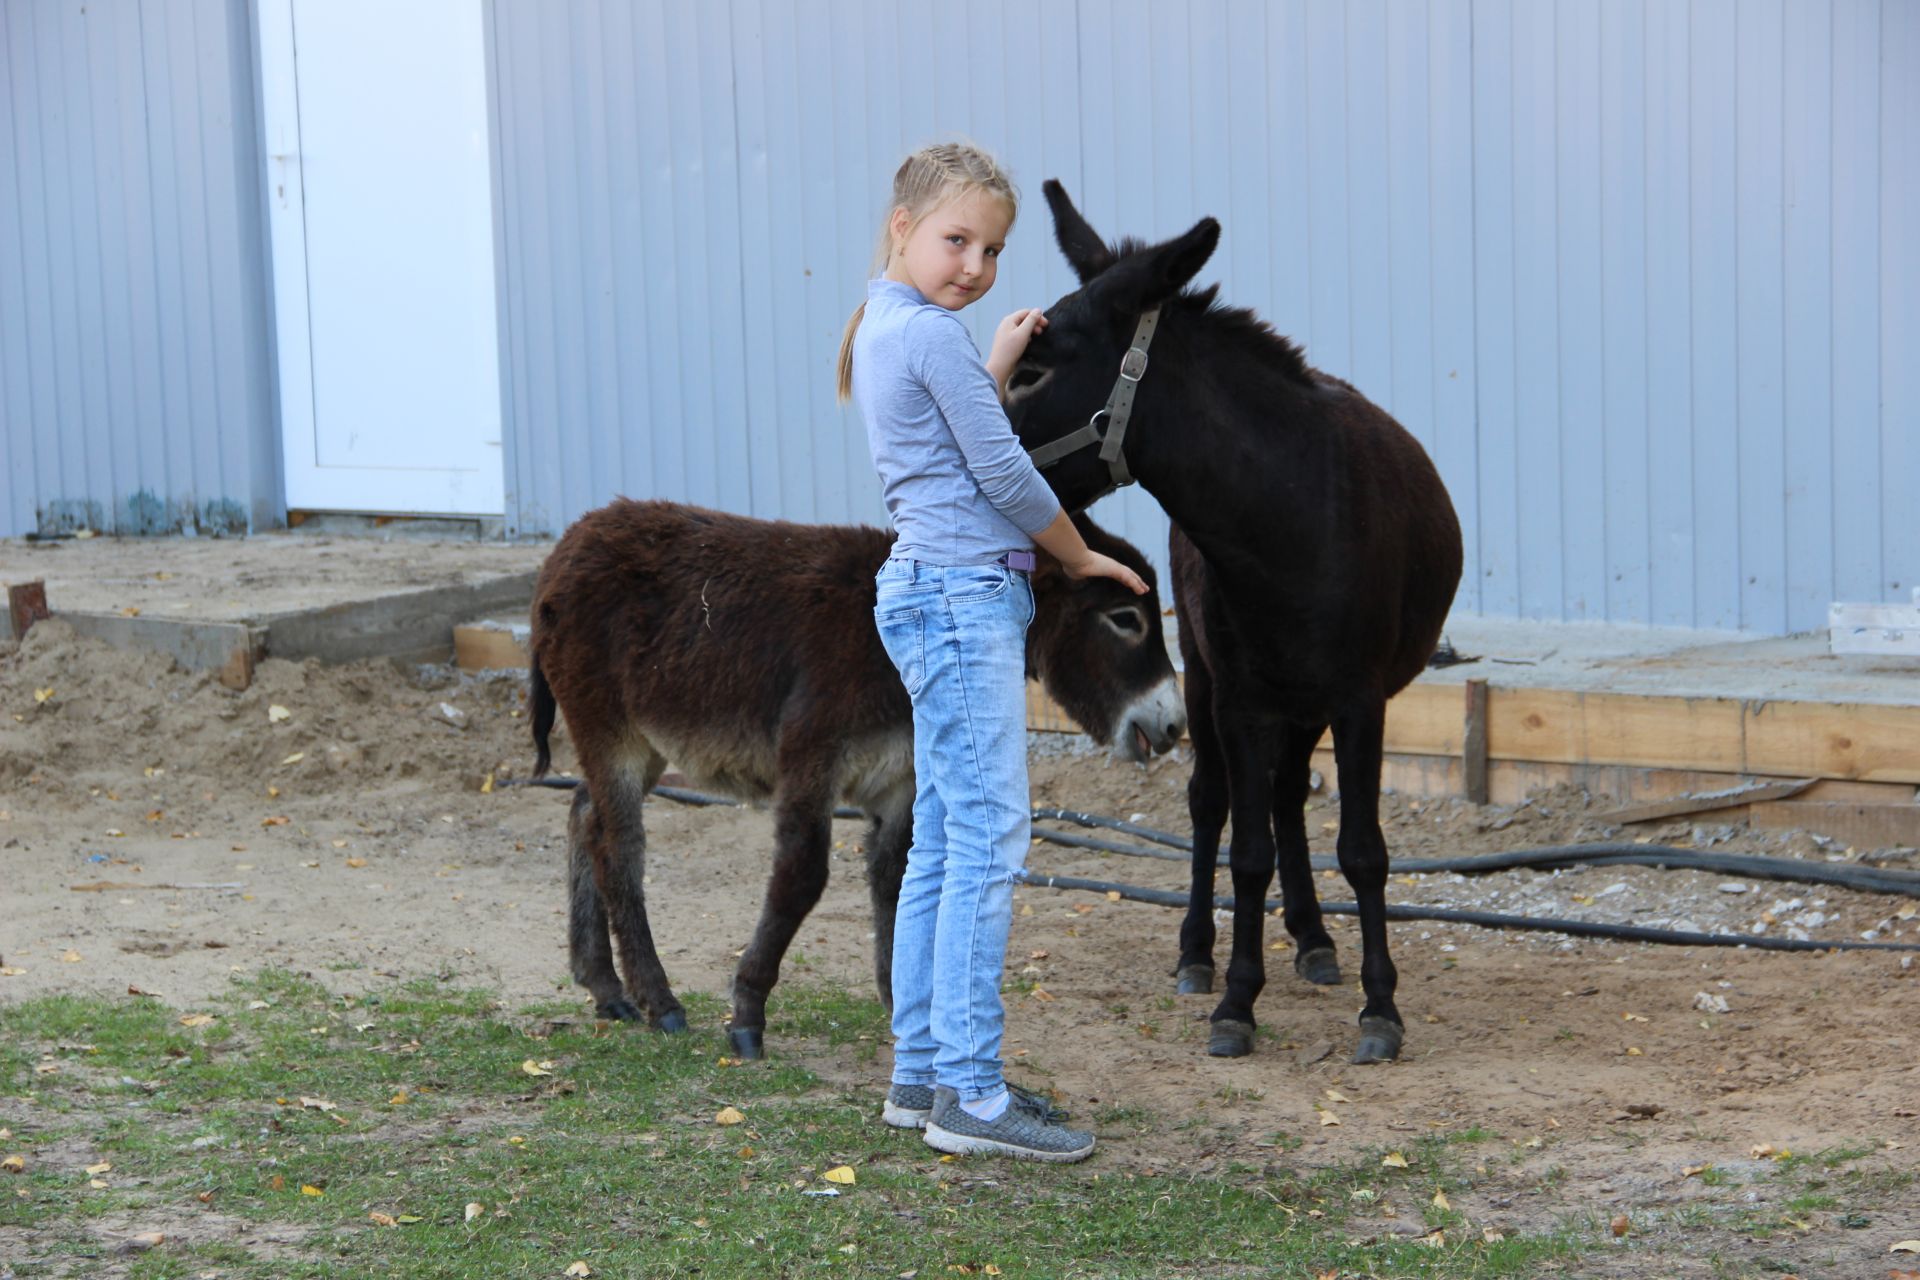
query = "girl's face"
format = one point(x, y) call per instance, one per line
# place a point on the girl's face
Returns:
point(952, 254)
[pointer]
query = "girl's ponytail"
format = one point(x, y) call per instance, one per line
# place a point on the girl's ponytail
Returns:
point(844, 385)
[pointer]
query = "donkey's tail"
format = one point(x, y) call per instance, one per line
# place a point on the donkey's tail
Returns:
point(541, 697)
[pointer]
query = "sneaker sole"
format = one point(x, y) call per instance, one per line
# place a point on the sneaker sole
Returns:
point(959, 1144)
point(905, 1117)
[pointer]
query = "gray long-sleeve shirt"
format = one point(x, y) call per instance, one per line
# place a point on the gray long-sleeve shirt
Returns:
point(958, 487)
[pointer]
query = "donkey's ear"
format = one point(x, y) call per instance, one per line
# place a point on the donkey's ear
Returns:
point(1086, 252)
point(1151, 276)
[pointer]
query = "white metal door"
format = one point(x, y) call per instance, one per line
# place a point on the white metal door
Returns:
point(381, 209)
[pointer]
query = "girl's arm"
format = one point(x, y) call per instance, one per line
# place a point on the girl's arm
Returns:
point(1063, 542)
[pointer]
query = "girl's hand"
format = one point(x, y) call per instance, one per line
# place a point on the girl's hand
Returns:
point(1095, 565)
point(1010, 342)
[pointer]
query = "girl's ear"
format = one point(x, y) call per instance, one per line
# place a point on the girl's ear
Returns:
point(1086, 252)
point(1149, 277)
point(899, 223)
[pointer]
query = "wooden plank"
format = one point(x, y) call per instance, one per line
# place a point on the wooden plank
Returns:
point(1726, 798)
point(484, 647)
point(1474, 751)
point(1564, 727)
point(1863, 741)
point(1864, 826)
point(1891, 629)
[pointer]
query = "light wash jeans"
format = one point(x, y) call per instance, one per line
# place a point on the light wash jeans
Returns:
point(958, 637)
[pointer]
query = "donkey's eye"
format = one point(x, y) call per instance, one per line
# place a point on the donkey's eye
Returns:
point(1026, 375)
point(1128, 622)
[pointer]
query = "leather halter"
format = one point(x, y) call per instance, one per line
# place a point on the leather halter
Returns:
point(1117, 410)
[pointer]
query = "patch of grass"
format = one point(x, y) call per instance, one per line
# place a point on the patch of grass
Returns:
point(601, 1144)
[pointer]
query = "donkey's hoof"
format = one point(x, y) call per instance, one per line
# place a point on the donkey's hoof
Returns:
point(749, 1043)
point(1194, 979)
point(1320, 966)
point(1230, 1039)
point(1380, 1040)
point(621, 1010)
point(673, 1022)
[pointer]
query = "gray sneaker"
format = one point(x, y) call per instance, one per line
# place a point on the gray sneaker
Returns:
point(1023, 1132)
point(909, 1105)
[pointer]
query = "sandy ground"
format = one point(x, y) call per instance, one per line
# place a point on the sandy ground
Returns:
point(350, 839)
point(248, 579)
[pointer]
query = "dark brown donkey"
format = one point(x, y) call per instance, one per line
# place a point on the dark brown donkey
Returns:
point(1315, 554)
point(744, 652)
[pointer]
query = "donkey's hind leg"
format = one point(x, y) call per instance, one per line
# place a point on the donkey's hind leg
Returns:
point(587, 943)
point(803, 828)
point(1207, 809)
point(618, 840)
point(1357, 743)
point(1314, 958)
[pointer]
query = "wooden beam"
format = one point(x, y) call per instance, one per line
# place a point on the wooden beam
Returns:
point(1864, 826)
point(1474, 741)
point(1727, 798)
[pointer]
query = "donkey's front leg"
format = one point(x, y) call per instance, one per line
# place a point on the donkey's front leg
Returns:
point(803, 828)
point(1251, 857)
point(889, 839)
point(1207, 808)
point(1357, 745)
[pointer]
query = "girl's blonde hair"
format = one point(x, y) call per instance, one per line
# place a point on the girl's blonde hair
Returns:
point(926, 180)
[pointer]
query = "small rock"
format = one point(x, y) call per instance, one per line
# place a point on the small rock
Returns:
point(1733, 888)
point(1707, 1003)
point(447, 713)
point(1313, 1053)
point(141, 1243)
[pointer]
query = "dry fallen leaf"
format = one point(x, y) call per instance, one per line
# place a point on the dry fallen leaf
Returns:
point(1113, 895)
point(727, 1115)
point(14, 1164)
point(579, 1269)
point(356, 863)
point(486, 789)
point(97, 1184)
point(841, 1174)
point(1393, 1160)
point(1621, 1225)
point(276, 713)
point(277, 821)
point(383, 1220)
point(1433, 1239)
point(1905, 1246)
point(144, 1241)
point(533, 1068)
point(316, 1104)
point(277, 1183)
point(1440, 1200)
point(1337, 1096)
point(196, 1019)
point(474, 1209)
point(1328, 1118)
point(308, 1189)
point(102, 1167)
point(41, 695)
point(1690, 1170)
point(1491, 1236)
point(71, 957)
point(8, 971)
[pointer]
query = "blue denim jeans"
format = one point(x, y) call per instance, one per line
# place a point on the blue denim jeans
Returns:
point(958, 637)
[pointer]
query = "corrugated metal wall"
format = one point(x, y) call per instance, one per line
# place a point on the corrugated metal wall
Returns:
point(1642, 276)
point(134, 365)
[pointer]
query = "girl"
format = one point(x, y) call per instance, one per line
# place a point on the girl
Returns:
point(953, 606)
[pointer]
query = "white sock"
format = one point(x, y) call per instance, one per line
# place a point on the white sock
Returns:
point(988, 1109)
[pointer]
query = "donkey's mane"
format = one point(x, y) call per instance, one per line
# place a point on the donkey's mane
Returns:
point(1238, 326)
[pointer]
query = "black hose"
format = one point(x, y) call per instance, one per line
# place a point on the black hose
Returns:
point(1494, 920)
point(1849, 876)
